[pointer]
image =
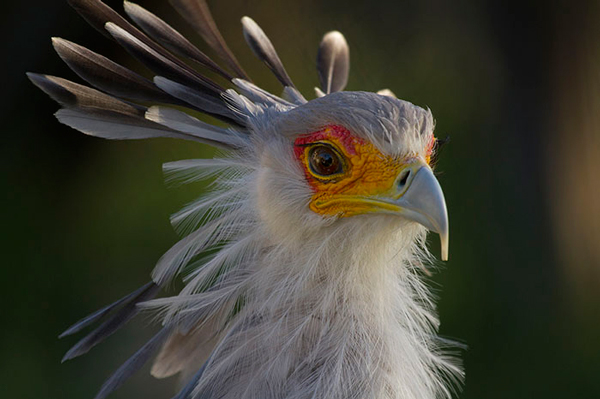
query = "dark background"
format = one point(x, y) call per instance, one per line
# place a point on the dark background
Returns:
point(516, 84)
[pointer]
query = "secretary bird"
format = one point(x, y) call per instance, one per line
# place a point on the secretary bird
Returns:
point(303, 267)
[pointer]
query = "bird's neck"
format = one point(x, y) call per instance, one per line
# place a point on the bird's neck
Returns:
point(340, 316)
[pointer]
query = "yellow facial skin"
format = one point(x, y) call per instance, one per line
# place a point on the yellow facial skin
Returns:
point(367, 179)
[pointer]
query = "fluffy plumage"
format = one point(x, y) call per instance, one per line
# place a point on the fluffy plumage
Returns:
point(279, 302)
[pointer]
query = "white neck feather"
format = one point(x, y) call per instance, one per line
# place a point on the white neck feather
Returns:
point(336, 316)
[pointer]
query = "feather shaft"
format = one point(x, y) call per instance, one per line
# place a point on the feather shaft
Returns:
point(107, 75)
point(182, 122)
point(263, 48)
point(98, 14)
point(74, 95)
point(198, 99)
point(256, 94)
point(115, 126)
point(198, 15)
point(97, 315)
point(163, 33)
point(158, 63)
point(133, 364)
point(115, 322)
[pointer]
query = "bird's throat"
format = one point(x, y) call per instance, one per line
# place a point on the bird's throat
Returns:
point(336, 318)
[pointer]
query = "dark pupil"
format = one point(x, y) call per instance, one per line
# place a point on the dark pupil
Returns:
point(324, 161)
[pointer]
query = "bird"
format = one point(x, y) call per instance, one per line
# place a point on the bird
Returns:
point(303, 266)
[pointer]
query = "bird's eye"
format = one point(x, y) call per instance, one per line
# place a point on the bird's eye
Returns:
point(324, 160)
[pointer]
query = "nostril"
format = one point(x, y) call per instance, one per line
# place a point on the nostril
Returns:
point(404, 178)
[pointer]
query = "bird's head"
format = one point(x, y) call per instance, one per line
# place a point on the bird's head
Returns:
point(350, 156)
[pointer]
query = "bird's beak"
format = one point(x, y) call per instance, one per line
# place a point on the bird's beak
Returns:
point(417, 196)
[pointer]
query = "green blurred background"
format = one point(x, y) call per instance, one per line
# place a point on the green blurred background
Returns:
point(516, 84)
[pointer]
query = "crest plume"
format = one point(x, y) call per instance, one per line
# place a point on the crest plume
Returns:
point(333, 62)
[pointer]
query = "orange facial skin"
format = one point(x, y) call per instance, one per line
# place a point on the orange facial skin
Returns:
point(366, 173)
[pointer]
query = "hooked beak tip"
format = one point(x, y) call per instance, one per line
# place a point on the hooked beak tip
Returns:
point(444, 245)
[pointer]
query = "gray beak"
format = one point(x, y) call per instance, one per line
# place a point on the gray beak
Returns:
point(423, 202)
